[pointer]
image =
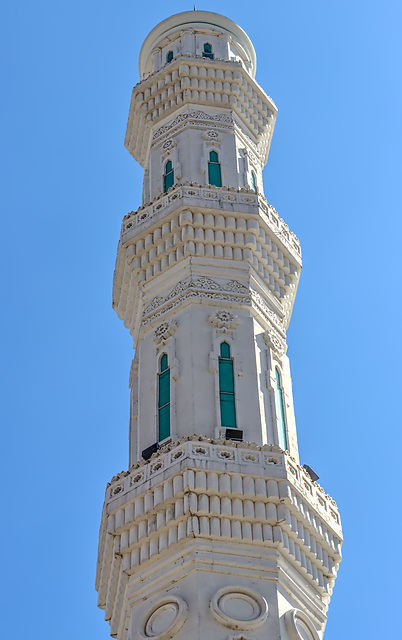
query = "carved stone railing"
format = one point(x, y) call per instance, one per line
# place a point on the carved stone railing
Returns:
point(198, 489)
point(268, 461)
point(226, 199)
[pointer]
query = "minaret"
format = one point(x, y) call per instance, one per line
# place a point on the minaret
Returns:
point(215, 531)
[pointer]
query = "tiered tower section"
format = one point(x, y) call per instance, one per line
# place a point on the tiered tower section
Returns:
point(220, 531)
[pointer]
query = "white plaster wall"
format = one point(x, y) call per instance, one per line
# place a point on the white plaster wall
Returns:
point(188, 43)
point(228, 41)
point(198, 588)
point(193, 353)
point(195, 578)
point(195, 394)
point(189, 154)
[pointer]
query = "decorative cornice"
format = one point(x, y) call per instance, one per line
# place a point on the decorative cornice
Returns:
point(201, 287)
point(270, 316)
point(178, 226)
point(195, 115)
point(181, 83)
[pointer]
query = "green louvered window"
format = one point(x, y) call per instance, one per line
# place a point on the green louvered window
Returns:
point(253, 182)
point(226, 387)
point(168, 178)
point(164, 398)
point(280, 411)
point(207, 52)
point(214, 170)
point(169, 56)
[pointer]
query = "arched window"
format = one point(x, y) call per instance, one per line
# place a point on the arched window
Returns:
point(280, 410)
point(168, 178)
point(226, 387)
point(163, 398)
point(169, 56)
point(214, 170)
point(207, 52)
point(253, 182)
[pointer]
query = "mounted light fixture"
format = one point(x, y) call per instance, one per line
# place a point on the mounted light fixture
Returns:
point(147, 453)
point(311, 473)
point(234, 434)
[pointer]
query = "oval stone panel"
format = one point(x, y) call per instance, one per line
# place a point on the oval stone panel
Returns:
point(239, 608)
point(166, 618)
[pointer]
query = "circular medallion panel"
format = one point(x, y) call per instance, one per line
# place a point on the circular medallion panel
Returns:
point(166, 618)
point(299, 626)
point(239, 608)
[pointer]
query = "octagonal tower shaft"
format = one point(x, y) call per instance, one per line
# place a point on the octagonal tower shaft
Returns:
point(215, 518)
point(205, 259)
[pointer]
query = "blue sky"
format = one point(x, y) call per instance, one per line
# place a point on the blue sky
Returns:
point(334, 175)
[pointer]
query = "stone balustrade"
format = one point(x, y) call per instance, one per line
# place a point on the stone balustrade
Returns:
point(241, 201)
point(198, 488)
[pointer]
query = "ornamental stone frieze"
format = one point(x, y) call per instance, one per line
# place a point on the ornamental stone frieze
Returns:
point(194, 287)
point(190, 117)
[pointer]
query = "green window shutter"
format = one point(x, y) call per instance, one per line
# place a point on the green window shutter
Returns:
point(164, 422)
point(164, 363)
point(226, 384)
point(226, 387)
point(253, 182)
point(214, 170)
point(207, 52)
point(228, 414)
point(164, 388)
point(280, 410)
point(225, 350)
point(164, 399)
point(168, 178)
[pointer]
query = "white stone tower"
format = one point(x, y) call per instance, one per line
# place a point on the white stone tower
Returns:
point(215, 531)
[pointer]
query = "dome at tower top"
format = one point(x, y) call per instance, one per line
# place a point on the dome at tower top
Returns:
point(196, 33)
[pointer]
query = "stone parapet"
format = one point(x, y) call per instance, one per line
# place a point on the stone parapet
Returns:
point(231, 200)
point(177, 34)
point(218, 490)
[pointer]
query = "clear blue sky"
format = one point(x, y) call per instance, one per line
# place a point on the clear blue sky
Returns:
point(334, 175)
